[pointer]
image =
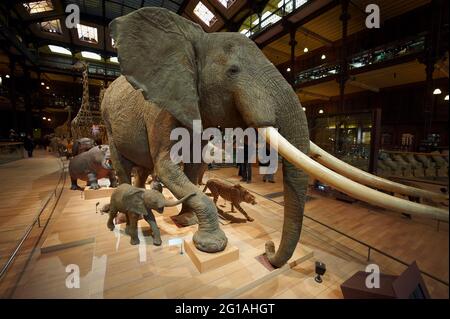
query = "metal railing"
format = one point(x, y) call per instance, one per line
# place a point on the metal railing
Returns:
point(37, 219)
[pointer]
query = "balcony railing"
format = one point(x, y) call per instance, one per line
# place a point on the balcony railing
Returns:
point(376, 55)
point(285, 7)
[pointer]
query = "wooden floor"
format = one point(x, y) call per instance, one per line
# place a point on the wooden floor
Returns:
point(24, 187)
point(112, 268)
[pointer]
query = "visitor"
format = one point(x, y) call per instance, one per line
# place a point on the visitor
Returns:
point(28, 144)
point(264, 167)
point(246, 166)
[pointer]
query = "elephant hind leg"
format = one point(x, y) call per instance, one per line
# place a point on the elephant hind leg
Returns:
point(121, 165)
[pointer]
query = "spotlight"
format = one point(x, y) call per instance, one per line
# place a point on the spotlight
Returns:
point(7, 76)
point(304, 109)
point(288, 69)
point(305, 50)
point(47, 87)
point(437, 91)
point(323, 57)
point(44, 118)
point(446, 97)
point(42, 83)
point(49, 119)
point(320, 111)
point(320, 271)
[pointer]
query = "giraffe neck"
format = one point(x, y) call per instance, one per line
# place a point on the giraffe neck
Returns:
point(85, 97)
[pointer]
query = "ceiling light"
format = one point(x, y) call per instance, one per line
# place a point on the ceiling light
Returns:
point(288, 69)
point(320, 111)
point(7, 76)
point(58, 49)
point(44, 118)
point(305, 50)
point(1, 80)
point(49, 119)
point(304, 109)
point(42, 83)
point(47, 87)
point(114, 59)
point(446, 97)
point(323, 57)
point(437, 91)
point(90, 55)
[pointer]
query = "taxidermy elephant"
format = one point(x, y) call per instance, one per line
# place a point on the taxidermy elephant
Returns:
point(136, 202)
point(90, 166)
point(174, 73)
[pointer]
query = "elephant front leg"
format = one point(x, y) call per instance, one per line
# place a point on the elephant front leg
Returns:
point(112, 179)
point(209, 237)
point(92, 180)
point(187, 216)
point(150, 218)
point(131, 228)
point(110, 223)
point(121, 165)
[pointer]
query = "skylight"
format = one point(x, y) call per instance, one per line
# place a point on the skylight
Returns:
point(58, 49)
point(90, 55)
point(226, 3)
point(87, 33)
point(245, 32)
point(204, 14)
point(38, 6)
point(267, 18)
point(52, 26)
point(114, 59)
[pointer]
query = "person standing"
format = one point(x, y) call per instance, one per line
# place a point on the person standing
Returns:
point(28, 144)
point(267, 177)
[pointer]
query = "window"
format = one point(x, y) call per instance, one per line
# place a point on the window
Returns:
point(267, 18)
point(52, 26)
point(87, 33)
point(226, 3)
point(91, 55)
point(114, 59)
point(245, 32)
point(58, 49)
point(204, 14)
point(38, 6)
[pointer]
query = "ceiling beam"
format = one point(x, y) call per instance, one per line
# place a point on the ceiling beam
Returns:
point(316, 95)
point(316, 36)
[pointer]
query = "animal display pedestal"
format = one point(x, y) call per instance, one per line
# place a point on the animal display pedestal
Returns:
point(208, 261)
point(97, 193)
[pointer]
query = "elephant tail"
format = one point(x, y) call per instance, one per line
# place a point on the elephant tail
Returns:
point(170, 203)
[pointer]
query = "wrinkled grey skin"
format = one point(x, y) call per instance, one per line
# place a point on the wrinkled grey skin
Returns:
point(90, 166)
point(82, 145)
point(134, 201)
point(174, 73)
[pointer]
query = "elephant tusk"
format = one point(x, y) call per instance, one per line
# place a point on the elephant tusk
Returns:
point(346, 185)
point(368, 179)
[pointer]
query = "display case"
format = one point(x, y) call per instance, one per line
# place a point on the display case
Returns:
point(346, 136)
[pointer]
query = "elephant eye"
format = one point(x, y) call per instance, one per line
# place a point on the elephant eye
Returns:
point(233, 70)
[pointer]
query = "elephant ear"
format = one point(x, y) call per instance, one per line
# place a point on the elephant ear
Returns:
point(133, 201)
point(156, 53)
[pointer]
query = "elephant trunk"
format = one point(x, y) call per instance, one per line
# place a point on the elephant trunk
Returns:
point(171, 203)
point(292, 124)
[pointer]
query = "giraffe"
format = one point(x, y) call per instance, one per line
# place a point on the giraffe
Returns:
point(63, 131)
point(83, 121)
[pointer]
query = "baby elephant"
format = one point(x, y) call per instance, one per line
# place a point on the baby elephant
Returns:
point(136, 202)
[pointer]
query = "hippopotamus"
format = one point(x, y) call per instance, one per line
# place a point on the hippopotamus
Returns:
point(82, 145)
point(91, 166)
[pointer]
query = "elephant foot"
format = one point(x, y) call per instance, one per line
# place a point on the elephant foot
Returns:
point(94, 186)
point(157, 241)
point(134, 241)
point(186, 219)
point(210, 242)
